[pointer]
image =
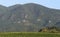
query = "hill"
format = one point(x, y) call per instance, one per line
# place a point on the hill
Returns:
point(27, 18)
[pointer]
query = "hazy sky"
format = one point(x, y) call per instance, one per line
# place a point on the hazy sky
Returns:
point(48, 3)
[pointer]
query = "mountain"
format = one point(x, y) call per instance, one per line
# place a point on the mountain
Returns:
point(29, 17)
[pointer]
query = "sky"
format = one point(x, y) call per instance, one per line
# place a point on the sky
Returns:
point(48, 3)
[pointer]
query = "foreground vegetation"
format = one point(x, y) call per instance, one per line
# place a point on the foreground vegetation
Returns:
point(29, 34)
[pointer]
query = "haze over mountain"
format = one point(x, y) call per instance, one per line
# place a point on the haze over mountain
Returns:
point(27, 17)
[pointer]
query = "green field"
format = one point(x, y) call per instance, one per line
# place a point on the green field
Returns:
point(28, 34)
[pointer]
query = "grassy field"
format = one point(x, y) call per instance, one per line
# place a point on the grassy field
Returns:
point(28, 34)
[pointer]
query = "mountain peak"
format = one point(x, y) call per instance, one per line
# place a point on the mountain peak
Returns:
point(31, 4)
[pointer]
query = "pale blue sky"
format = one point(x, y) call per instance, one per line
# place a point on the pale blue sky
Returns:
point(47, 3)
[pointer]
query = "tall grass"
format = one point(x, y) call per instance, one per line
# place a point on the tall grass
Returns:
point(29, 34)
